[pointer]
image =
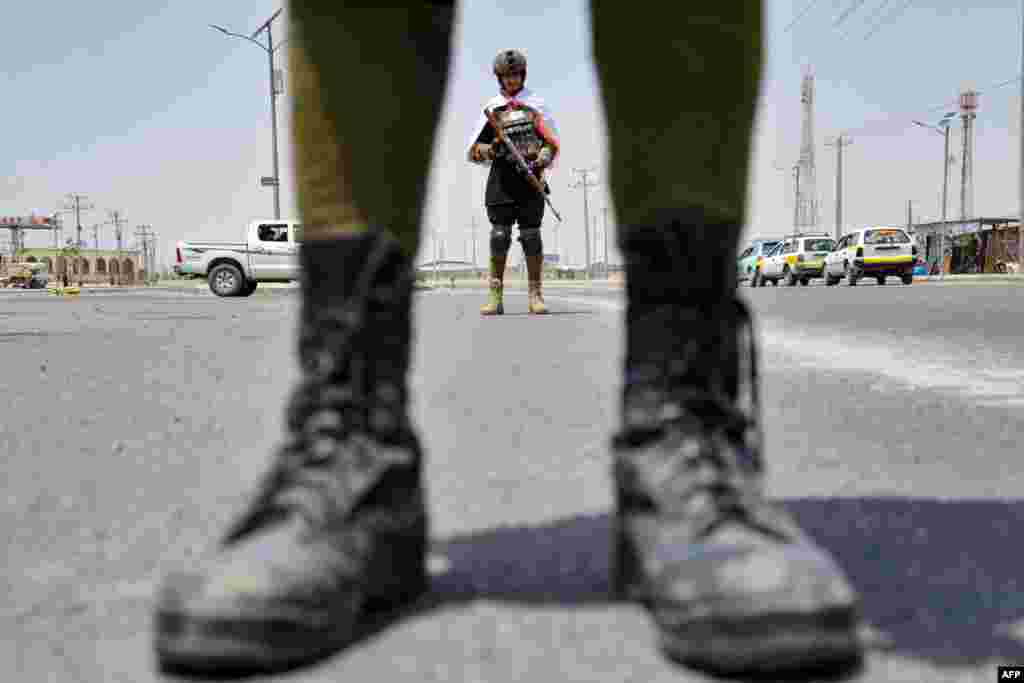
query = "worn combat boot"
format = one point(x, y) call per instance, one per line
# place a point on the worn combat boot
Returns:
point(535, 275)
point(337, 529)
point(495, 304)
point(733, 585)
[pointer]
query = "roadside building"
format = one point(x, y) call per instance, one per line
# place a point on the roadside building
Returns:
point(979, 245)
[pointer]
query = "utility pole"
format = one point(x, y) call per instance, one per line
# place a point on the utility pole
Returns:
point(910, 216)
point(473, 233)
point(942, 129)
point(968, 109)
point(796, 200)
point(841, 141)
point(275, 90)
point(116, 219)
point(75, 203)
point(607, 272)
point(584, 183)
point(435, 254)
point(96, 236)
point(1020, 178)
point(146, 237)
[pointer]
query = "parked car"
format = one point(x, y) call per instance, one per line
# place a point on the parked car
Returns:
point(749, 259)
point(269, 254)
point(876, 252)
point(799, 258)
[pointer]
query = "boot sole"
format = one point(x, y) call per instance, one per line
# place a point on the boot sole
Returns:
point(768, 645)
point(243, 644)
point(200, 646)
point(772, 643)
point(500, 311)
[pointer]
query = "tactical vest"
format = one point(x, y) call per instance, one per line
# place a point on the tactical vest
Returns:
point(520, 131)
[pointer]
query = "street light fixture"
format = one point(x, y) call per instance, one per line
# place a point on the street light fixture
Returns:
point(270, 49)
point(942, 129)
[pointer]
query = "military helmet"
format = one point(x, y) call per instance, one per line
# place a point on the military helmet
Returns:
point(509, 61)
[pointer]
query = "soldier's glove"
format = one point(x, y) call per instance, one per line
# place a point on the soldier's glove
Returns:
point(544, 158)
point(482, 152)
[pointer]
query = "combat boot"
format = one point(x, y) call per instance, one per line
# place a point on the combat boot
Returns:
point(732, 583)
point(495, 304)
point(535, 276)
point(337, 529)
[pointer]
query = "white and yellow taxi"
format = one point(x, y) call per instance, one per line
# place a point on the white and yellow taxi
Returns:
point(798, 259)
point(877, 251)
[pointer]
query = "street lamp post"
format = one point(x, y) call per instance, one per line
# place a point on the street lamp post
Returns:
point(943, 130)
point(270, 49)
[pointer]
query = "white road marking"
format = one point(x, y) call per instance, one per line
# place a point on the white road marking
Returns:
point(926, 366)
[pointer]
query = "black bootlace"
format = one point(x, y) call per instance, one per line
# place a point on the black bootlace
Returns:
point(705, 462)
point(328, 460)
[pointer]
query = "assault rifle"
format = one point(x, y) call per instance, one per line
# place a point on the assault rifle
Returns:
point(524, 167)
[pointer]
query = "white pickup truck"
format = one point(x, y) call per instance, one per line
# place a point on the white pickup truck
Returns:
point(269, 254)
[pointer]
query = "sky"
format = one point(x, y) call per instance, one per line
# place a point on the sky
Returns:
point(142, 108)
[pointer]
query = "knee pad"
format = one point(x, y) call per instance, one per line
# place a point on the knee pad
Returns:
point(530, 239)
point(501, 239)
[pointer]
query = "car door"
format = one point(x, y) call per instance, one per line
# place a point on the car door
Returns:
point(783, 257)
point(836, 253)
point(292, 264)
point(765, 250)
point(771, 266)
point(743, 263)
point(271, 252)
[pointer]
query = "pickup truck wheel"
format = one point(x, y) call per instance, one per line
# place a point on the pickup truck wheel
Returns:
point(789, 277)
point(226, 280)
point(851, 275)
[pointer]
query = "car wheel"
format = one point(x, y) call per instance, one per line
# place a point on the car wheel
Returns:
point(805, 281)
point(789, 277)
point(880, 280)
point(908, 279)
point(226, 280)
point(851, 275)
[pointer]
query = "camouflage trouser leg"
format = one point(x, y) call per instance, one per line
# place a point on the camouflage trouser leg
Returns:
point(368, 84)
point(680, 139)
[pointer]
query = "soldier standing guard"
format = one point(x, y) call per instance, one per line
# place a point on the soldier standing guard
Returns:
point(510, 198)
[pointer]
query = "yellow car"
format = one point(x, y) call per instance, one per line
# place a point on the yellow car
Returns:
point(877, 252)
point(798, 259)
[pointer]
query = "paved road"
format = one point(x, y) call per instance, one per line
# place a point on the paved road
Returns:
point(133, 425)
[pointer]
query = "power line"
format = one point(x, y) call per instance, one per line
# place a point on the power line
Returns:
point(874, 14)
point(801, 15)
point(846, 14)
point(888, 18)
point(905, 119)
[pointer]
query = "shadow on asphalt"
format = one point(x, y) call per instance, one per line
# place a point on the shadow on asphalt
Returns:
point(938, 579)
point(523, 314)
